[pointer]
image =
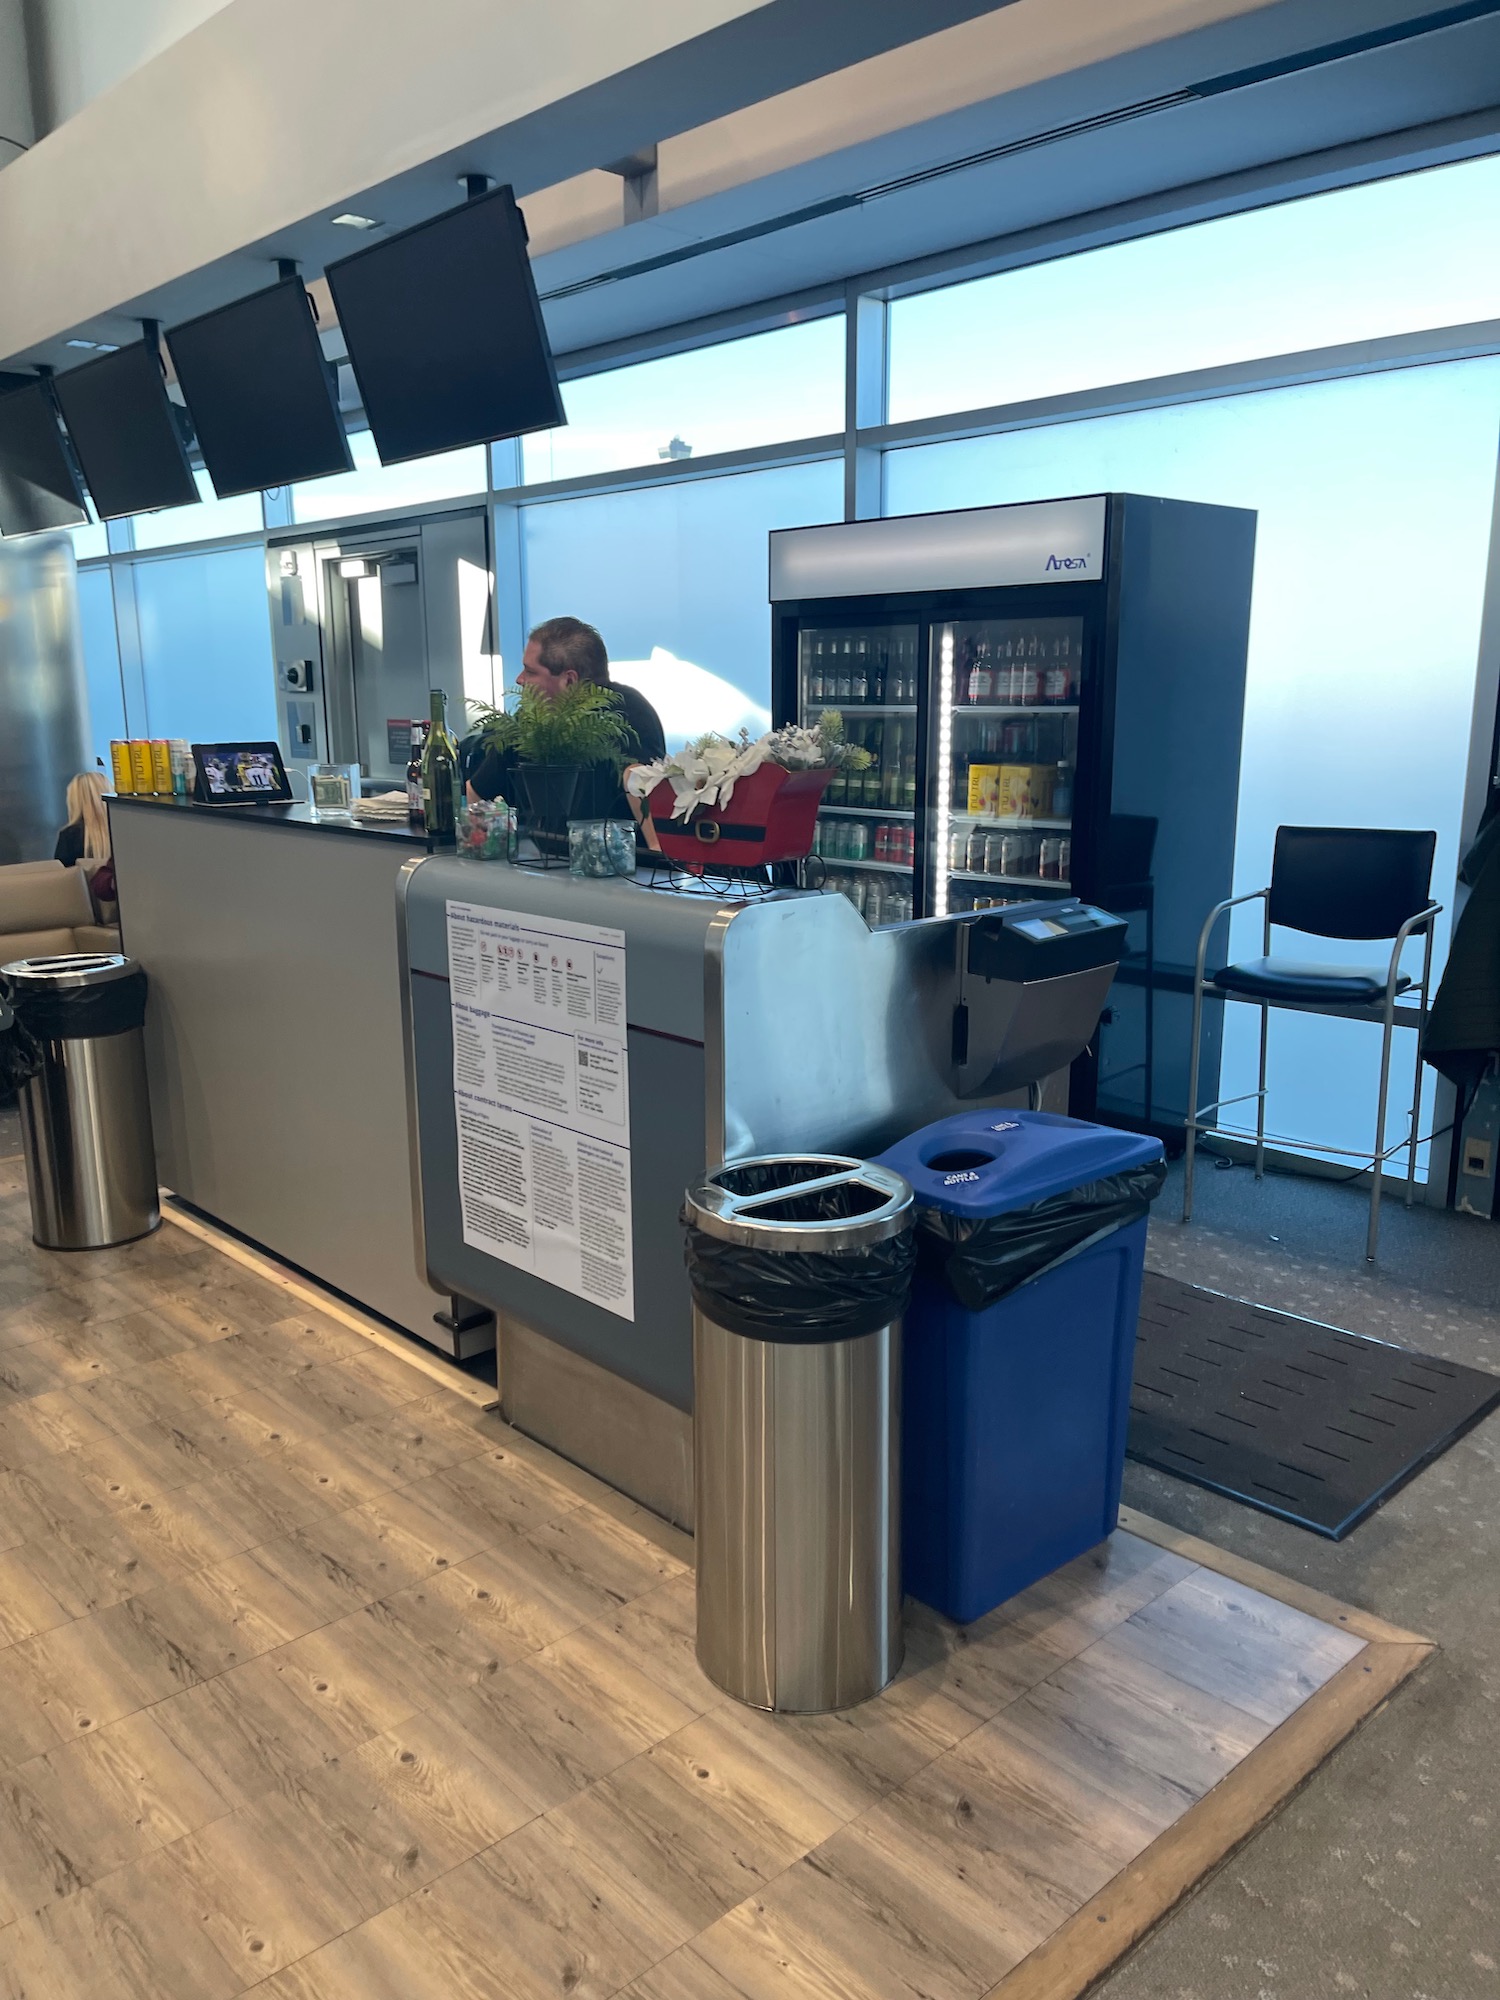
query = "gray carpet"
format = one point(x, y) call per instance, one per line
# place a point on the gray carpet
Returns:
point(1379, 1879)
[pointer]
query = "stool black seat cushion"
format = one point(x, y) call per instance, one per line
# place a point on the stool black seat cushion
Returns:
point(1295, 979)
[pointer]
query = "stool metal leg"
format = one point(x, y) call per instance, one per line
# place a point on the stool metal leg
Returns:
point(1373, 1239)
point(1260, 1096)
point(1416, 1098)
point(1192, 1103)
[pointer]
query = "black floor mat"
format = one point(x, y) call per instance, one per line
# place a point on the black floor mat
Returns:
point(1302, 1420)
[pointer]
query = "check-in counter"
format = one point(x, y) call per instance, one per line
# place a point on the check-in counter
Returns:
point(274, 1041)
point(580, 1051)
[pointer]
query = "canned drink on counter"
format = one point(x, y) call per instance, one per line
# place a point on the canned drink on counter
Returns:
point(119, 761)
point(141, 779)
point(161, 767)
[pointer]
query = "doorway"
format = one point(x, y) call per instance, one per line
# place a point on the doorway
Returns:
point(366, 623)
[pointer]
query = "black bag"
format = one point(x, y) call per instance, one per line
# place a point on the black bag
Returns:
point(83, 1013)
point(981, 1260)
point(20, 1055)
point(800, 1297)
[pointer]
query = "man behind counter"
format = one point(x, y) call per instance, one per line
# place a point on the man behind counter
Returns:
point(558, 655)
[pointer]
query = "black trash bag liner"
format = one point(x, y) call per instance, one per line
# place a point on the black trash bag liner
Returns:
point(83, 1013)
point(800, 1297)
point(20, 1056)
point(981, 1259)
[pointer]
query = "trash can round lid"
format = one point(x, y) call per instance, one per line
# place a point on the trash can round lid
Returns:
point(71, 968)
point(801, 1201)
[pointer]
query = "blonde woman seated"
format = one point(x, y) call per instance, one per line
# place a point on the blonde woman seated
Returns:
point(84, 841)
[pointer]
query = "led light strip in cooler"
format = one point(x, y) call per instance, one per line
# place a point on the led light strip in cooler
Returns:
point(944, 772)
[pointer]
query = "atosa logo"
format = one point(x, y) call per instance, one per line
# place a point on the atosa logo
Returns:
point(1067, 562)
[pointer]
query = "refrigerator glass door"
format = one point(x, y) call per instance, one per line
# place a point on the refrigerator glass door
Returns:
point(865, 845)
point(1006, 694)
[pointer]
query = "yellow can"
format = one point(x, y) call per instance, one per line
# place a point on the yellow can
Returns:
point(140, 764)
point(161, 766)
point(119, 758)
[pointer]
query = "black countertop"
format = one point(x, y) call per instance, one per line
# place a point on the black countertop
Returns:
point(299, 818)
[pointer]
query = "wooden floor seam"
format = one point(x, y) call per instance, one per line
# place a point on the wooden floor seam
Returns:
point(318, 1684)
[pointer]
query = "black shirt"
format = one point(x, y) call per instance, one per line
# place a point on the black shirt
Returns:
point(69, 849)
point(600, 795)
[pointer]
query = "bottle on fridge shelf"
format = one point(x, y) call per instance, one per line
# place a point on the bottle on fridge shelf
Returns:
point(981, 689)
point(846, 672)
point(1056, 681)
point(890, 753)
point(873, 777)
point(859, 686)
point(1062, 791)
point(877, 672)
point(815, 674)
point(909, 781)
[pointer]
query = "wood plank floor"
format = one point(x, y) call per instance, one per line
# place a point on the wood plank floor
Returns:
point(318, 1682)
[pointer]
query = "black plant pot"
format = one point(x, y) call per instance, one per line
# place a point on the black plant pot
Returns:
point(548, 791)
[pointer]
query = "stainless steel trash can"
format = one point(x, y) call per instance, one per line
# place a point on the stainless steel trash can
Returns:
point(796, 1430)
point(86, 1114)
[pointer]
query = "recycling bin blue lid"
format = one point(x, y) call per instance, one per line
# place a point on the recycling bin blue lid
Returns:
point(982, 1163)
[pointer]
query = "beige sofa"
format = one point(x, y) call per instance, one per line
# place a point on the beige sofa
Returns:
point(46, 909)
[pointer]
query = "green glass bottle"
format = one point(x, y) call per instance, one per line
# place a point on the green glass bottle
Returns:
point(439, 773)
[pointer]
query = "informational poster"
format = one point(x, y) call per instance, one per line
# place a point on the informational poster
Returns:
point(541, 1090)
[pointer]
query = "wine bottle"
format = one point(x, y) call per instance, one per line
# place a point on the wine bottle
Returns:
point(439, 773)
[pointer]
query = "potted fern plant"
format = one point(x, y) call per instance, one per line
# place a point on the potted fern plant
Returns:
point(558, 741)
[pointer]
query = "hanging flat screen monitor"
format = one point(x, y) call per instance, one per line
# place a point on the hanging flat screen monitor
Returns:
point(445, 334)
point(125, 433)
point(262, 398)
point(39, 487)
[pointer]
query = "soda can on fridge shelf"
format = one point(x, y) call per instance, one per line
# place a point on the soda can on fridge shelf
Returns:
point(1012, 855)
point(859, 841)
point(119, 764)
point(975, 862)
point(1048, 868)
point(994, 853)
point(1065, 860)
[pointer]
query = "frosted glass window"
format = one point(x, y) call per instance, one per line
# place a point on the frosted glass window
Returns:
point(207, 521)
point(729, 397)
point(450, 475)
point(1374, 498)
point(206, 646)
point(1395, 256)
point(675, 580)
point(101, 661)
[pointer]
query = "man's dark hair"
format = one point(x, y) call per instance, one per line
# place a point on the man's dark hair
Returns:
point(568, 645)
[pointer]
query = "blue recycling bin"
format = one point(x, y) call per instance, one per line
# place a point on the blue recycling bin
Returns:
point(1019, 1347)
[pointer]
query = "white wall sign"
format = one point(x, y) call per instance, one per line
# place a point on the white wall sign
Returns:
point(541, 1089)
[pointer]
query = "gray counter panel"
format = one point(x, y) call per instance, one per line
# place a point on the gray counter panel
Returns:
point(274, 1038)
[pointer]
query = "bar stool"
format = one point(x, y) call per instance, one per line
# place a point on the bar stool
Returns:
point(1330, 882)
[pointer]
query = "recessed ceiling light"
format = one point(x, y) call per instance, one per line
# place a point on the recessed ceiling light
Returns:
point(349, 220)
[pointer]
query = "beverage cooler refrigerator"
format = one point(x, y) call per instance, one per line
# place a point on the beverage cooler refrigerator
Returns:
point(1051, 695)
